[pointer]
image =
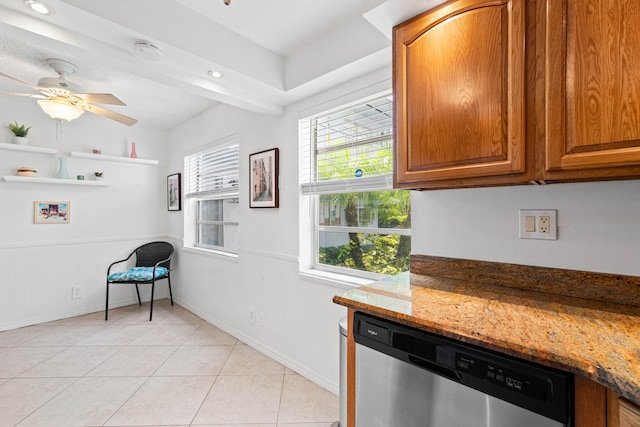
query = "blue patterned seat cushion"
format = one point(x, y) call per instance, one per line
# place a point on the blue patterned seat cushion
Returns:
point(137, 274)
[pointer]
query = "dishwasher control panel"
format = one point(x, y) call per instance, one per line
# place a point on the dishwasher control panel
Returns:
point(520, 382)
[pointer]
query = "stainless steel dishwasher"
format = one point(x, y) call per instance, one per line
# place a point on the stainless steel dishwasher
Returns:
point(406, 377)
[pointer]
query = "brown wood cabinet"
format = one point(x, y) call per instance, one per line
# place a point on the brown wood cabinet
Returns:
point(498, 92)
point(629, 414)
point(459, 93)
point(592, 80)
point(621, 412)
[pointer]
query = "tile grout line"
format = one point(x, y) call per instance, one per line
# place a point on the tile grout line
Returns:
point(213, 383)
point(49, 400)
point(281, 396)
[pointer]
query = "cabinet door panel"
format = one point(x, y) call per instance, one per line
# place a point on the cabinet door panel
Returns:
point(459, 92)
point(593, 84)
point(629, 414)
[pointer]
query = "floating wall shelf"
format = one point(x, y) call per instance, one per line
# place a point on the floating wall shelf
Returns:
point(36, 180)
point(27, 148)
point(112, 158)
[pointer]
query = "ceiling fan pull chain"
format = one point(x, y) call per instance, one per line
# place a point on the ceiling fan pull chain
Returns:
point(58, 128)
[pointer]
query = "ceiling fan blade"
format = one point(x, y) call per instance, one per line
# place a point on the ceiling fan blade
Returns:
point(23, 94)
point(110, 115)
point(99, 98)
point(36, 88)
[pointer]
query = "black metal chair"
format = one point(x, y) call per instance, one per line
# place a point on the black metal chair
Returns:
point(153, 263)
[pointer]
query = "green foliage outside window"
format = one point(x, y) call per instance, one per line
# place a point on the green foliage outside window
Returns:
point(345, 150)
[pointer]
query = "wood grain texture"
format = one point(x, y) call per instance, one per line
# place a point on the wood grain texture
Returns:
point(457, 115)
point(613, 409)
point(459, 86)
point(592, 88)
point(629, 413)
point(590, 403)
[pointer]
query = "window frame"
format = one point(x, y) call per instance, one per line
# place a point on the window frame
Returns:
point(313, 189)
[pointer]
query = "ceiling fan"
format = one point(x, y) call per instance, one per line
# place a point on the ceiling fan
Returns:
point(62, 99)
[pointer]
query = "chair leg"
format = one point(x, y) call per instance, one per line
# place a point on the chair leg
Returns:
point(170, 293)
point(106, 305)
point(153, 285)
point(138, 292)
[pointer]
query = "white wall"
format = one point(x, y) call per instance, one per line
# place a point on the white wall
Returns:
point(301, 321)
point(40, 263)
point(598, 225)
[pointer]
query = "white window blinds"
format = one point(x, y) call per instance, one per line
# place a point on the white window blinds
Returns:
point(213, 172)
point(348, 150)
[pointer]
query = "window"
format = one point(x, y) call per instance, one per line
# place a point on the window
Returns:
point(212, 194)
point(361, 226)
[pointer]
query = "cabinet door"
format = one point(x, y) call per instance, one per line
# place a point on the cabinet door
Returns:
point(459, 83)
point(592, 88)
point(629, 414)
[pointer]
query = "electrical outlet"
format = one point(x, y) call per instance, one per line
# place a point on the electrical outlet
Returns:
point(544, 224)
point(538, 224)
point(76, 292)
point(261, 318)
point(252, 316)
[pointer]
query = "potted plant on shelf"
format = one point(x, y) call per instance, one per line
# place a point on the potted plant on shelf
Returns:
point(20, 132)
point(99, 176)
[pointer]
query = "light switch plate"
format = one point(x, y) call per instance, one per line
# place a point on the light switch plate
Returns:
point(545, 224)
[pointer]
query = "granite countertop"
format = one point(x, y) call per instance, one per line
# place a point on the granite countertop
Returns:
point(594, 338)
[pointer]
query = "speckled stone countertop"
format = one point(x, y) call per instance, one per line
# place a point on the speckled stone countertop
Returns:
point(590, 337)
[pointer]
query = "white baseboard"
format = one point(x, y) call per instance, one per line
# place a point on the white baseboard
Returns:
point(73, 313)
point(63, 315)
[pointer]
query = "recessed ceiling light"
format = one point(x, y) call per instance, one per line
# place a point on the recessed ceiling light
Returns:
point(215, 74)
point(39, 7)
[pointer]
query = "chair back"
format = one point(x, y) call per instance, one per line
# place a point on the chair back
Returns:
point(149, 254)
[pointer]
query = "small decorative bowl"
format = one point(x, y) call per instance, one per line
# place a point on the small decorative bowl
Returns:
point(23, 171)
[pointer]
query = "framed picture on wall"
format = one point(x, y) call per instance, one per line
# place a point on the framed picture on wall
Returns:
point(263, 179)
point(174, 190)
point(51, 212)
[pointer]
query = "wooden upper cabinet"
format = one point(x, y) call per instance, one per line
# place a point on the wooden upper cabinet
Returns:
point(459, 95)
point(592, 74)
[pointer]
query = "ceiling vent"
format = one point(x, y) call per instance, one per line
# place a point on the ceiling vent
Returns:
point(147, 51)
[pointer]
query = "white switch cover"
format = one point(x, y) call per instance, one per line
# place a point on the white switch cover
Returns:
point(545, 224)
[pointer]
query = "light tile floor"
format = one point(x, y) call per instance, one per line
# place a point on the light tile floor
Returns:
point(177, 370)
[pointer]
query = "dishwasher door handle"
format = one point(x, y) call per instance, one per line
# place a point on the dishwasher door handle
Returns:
point(435, 368)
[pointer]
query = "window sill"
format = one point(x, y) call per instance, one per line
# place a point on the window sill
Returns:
point(343, 281)
point(225, 256)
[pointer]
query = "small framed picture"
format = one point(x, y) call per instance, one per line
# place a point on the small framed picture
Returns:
point(51, 212)
point(174, 198)
point(263, 179)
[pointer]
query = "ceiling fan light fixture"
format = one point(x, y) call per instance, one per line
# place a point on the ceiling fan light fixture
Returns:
point(57, 109)
point(215, 74)
point(39, 7)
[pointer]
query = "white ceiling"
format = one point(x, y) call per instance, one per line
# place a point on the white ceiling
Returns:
point(272, 52)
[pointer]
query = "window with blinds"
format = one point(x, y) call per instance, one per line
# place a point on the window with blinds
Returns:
point(361, 225)
point(213, 172)
point(211, 189)
point(349, 149)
